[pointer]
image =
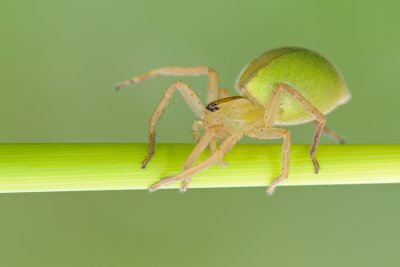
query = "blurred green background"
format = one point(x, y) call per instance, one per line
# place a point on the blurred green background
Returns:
point(59, 61)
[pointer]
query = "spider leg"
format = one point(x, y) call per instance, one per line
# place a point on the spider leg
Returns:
point(276, 133)
point(196, 130)
point(213, 147)
point(196, 136)
point(194, 155)
point(212, 144)
point(212, 91)
point(225, 147)
point(271, 112)
point(191, 99)
point(335, 136)
point(223, 93)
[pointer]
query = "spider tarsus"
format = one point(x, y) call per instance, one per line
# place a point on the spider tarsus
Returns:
point(182, 190)
point(272, 186)
point(151, 190)
point(124, 84)
point(154, 187)
point(118, 86)
point(144, 164)
point(223, 164)
point(316, 166)
point(184, 185)
point(270, 191)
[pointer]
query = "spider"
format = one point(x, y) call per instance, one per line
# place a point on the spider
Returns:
point(284, 86)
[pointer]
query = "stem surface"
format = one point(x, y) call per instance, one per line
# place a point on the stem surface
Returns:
point(78, 167)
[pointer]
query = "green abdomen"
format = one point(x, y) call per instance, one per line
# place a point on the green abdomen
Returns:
point(312, 75)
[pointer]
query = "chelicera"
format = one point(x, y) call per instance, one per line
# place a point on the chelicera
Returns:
point(285, 86)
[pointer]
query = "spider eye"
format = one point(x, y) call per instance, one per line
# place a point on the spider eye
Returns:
point(212, 107)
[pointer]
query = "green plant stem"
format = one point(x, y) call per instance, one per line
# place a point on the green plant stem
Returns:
point(75, 167)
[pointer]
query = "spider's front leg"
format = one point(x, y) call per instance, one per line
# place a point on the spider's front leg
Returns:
point(227, 145)
point(191, 99)
point(188, 94)
point(212, 144)
point(223, 93)
point(202, 143)
point(212, 91)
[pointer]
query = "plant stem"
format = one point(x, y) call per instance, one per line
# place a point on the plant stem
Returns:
point(75, 167)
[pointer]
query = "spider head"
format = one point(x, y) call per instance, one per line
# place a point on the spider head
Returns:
point(232, 112)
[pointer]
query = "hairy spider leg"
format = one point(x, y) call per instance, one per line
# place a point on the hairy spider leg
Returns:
point(196, 130)
point(191, 99)
point(225, 147)
point(223, 93)
point(203, 142)
point(333, 135)
point(212, 91)
point(276, 133)
point(271, 112)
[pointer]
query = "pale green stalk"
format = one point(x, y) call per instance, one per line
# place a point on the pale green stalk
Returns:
point(74, 167)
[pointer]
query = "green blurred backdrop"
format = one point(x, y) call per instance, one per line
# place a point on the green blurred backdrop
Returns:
point(59, 61)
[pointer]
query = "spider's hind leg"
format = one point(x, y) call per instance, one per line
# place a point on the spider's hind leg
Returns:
point(333, 135)
point(320, 119)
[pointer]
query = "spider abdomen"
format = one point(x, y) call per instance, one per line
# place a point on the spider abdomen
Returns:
point(309, 73)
